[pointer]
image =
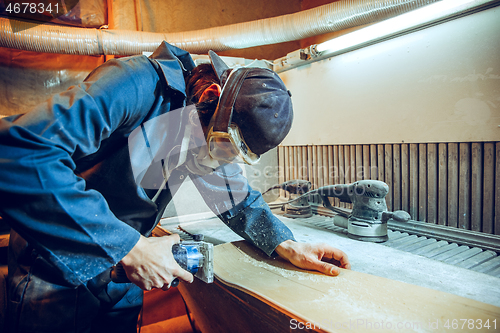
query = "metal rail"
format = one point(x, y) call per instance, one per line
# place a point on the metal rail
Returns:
point(439, 232)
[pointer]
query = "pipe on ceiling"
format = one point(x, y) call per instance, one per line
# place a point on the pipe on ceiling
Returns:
point(339, 15)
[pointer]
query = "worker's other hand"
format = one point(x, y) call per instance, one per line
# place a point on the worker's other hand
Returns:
point(319, 257)
point(151, 264)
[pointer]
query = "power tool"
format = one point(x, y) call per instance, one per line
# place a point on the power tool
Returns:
point(196, 257)
point(299, 208)
point(369, 216)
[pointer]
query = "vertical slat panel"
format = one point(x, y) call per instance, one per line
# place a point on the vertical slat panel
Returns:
point(319, 156)
point(476, 186)
point(287, 169)
point(388, 175)
point(330, 165)
point(336, 170)
point(281, 168)
point(315, 169)
point(453, 184)
point(291, 158)
point(366, 162)
point(352, 163)
point(305, 158)
point(299, 162)
point(497, 190)
point(373, 162)
point(341, 170)
point(432, 182)
point(488, 186)
point(347, 165)
point(464, 187)
point(310, 165)
point(414, 181)
point(443, 184)
point(329, 169)
point(405, 178)
point(352, 167)
point(381, 162)
point(359, 162)
point(457, 184)
point(326, 165)
point(396, 177)
point(422, 182)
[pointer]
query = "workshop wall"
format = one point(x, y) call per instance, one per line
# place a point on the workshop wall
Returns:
point(439, 84)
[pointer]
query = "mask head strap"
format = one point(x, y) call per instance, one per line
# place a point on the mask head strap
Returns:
point(224, 113)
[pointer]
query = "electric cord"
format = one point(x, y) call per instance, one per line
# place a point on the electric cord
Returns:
point(191, 321)
point(139, 322)
point(326, 203)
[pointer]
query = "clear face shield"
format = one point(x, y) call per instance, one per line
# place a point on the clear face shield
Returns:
point(224, 139)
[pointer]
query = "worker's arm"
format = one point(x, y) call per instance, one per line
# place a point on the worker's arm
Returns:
point(42, 197)
point(319, 257)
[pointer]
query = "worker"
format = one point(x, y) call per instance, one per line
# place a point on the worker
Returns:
point(86, 176)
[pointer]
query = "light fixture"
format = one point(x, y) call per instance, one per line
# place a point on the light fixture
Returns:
point(430, 14)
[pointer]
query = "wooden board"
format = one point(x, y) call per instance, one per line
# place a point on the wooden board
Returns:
point(322, 303)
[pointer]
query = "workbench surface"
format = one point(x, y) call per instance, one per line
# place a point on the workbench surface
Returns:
point(365, 257)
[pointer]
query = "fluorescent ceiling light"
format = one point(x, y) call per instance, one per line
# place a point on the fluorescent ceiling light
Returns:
point(410, 20)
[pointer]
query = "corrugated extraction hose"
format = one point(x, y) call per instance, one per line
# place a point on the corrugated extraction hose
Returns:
point(323, 19)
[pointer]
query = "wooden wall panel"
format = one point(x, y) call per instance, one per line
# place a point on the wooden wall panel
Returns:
point(373, 162)
point(488, 187)
point(396, 176)
point(432, 183)
point(497, 190)
point(281, 168)
point(405, 178)
point(464, 186)
point(380, 162)
point(341, 170)
point(453, 184)
point(366, 162)
point(442, 183)
point(476, 186)
point(413, 209)
point(422, 182)
point(388, 175)
point(336, 166)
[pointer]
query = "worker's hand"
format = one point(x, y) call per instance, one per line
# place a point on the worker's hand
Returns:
point(319, 257)
point(151, 264)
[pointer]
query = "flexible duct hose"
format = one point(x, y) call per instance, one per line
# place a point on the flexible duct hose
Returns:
point(327, 18)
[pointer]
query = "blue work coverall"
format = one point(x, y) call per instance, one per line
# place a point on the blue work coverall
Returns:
point(75, 209)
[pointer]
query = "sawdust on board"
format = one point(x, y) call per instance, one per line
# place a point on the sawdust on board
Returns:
point(355, 298)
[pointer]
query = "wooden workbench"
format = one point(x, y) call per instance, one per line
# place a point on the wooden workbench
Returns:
point(254, 293)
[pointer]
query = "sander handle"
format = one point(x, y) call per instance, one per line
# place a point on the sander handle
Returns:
point(399, 216)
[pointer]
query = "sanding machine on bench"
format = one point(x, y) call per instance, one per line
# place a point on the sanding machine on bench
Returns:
point(368, 219)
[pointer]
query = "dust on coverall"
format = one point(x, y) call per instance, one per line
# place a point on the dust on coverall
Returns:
point(75, 209)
